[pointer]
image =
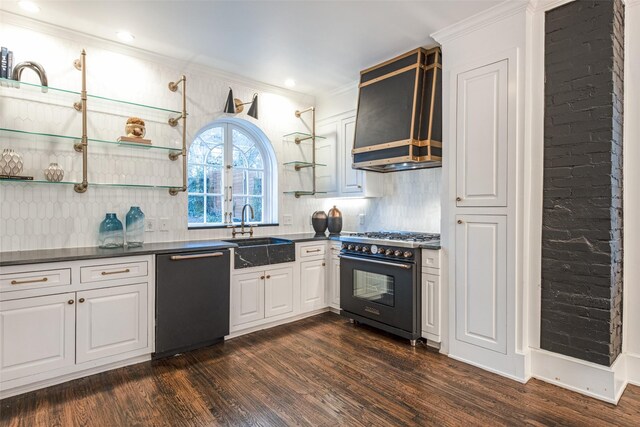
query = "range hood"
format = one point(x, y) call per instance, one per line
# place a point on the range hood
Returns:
point(399, 119)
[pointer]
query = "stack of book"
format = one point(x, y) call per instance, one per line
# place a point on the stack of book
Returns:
point(6, 66)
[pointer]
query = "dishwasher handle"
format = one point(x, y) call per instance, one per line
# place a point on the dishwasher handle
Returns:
point(196, 256)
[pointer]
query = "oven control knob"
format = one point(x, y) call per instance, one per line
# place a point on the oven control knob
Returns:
point(398, 253)
point(407, 254)
point(381, 251)
point(357, 248)
point(350, 247)
point(388, 252)
point(365, 249)
point(344, 246)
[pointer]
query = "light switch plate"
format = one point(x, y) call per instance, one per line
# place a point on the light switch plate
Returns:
point(150, 225)
point(287, 219)
point(164, 224)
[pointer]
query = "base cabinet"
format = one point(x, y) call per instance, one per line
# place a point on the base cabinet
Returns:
point(431, 307)
point(334, 283)
point(312, 285)
point(37, 335)
point(262, 294)
point(100, 333)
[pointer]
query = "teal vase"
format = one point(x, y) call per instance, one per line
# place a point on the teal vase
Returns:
point(135, 227)
point(111, 232)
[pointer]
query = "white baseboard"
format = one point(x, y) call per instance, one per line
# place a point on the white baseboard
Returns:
point(284, 321)
point(601, 382)
point(490, 369)
point(633, 368)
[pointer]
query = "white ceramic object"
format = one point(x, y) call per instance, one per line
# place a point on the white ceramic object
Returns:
point(54, 173)
point(10, 162)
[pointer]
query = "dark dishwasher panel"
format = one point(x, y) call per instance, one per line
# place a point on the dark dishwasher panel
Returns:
point(192, 300)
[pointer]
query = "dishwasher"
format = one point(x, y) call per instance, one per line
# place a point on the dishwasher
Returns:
point(192, 301)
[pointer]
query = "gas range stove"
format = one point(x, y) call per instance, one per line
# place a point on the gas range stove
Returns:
point(403, 239)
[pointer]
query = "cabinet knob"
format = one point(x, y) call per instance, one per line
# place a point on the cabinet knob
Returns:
point(261, 277)
point(81, 300)
point(459, 221)
point(324, 263)
point(70, 302)
point(458, 199)
point(268, 276)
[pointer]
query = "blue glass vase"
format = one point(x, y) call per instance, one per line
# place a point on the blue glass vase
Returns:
point(111, 232)
point(135, 227)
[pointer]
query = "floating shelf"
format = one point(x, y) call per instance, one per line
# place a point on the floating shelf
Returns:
point(304, 193)
point(298, 137)
point(91, 184)
point(301, 165)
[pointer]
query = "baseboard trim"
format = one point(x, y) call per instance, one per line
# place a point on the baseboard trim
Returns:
point(633, 368)
point(489, 369)
point(605, 383)
point(14, 391)
point(269, 325)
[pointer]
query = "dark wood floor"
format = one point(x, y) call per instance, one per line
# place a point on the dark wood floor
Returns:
point(318, 371)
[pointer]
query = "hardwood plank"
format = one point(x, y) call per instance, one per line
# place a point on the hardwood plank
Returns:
point(320, 371)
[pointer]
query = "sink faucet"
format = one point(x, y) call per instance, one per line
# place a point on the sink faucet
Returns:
point(244, 209)
point(39, 69)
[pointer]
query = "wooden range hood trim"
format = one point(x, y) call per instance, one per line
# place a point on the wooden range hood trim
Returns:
point(400, 143)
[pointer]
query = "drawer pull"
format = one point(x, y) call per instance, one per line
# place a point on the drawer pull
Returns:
point(106, 273)
point(185, 257)
point(313, 250)
point(22, 282)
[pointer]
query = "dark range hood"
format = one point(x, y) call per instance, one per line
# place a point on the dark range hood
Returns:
point(399, 119)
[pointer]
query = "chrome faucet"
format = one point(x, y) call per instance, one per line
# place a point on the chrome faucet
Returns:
point(39, 69)
point(234, 232)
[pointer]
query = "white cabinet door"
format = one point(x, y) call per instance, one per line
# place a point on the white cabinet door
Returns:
point(111, 321)
point(431, 307)
point(327, 154)
point(335, 282)
point(36, 335)
point(481, 281)
point(247, 298)
point(278, 291)
point(312, 285)
point(352, 179)
point(482, 136)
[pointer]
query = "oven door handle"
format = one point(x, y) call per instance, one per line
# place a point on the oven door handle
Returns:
point(391, 264)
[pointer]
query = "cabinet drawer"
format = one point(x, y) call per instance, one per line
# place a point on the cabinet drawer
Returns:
point(125, 270)
point(430, 258)
point(315, 250)
point(35, 279)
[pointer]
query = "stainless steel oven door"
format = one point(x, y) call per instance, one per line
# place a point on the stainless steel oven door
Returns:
point(378, 289)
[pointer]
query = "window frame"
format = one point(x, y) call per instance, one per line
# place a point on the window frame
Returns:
point(270, 171)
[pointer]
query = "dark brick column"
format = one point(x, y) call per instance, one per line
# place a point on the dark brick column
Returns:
point(582, 215)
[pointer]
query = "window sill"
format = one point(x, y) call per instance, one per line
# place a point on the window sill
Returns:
point(207, 227)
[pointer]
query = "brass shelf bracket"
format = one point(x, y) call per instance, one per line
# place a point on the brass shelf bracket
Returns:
point(312, 137)
point(173, 122)
point(82, 146)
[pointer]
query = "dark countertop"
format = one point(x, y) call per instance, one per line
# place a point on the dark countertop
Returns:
point(435, 246)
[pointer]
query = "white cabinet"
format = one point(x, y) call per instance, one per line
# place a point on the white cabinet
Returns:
point(36, 335)
point(261, 294)
point(431, 307)
point(278, 292)
point(326, 154)
point(351, 179)
point(111, 321)
point(334, 277)
point(481, 281)
point(482, 137)
point(312, 285)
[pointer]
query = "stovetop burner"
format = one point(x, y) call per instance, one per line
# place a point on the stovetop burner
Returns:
point(398, 238)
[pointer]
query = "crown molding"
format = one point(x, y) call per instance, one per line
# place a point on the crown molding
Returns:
point(631, 3)
point(339, 90)
point(494, 14)
point(183, 65)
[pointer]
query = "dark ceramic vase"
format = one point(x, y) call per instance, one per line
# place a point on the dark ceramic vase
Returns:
point(334, 221)
point(319, 222)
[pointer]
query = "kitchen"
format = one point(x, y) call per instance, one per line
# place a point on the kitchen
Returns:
point(208, 236)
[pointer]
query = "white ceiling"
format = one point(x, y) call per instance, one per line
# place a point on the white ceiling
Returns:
point(322, 45)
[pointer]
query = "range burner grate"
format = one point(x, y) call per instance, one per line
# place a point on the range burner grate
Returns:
point(405, 236)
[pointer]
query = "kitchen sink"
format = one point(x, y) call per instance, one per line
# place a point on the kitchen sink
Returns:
point(253, 252)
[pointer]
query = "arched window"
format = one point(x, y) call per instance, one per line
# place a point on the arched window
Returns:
point(231, 164)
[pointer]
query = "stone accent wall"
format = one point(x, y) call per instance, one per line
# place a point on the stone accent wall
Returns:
point(582, 213)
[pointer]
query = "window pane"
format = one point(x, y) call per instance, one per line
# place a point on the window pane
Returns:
point(257, 204)
point(239, 181)
point(196, 209)
point(196, 179)
point(241, 141)
point(214, 180)
point(238, 203)
point(239, 159)
point(214, 209)
point(254, 159)
point(197, 151)
point(213, 135)
point(254, 182)
point(215, 156)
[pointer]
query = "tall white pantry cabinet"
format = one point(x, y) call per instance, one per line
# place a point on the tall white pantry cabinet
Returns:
point(483, 78)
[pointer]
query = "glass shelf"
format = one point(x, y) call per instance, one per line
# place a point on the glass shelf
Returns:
point(304, 193)
point(299, 165)
point(99, 141)
point(17, 85)
point(91, 184)
point(298, 137)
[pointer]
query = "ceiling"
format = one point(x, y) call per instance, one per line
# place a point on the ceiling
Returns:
point(322, 45)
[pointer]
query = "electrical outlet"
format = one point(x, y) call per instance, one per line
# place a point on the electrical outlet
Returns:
point(362, 218)
point(287, 219)
point(150, 225)
point(164, 224)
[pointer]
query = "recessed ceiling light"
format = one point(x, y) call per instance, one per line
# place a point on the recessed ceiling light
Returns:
point(125, 36)
point(29, 6)
point(289, 83)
